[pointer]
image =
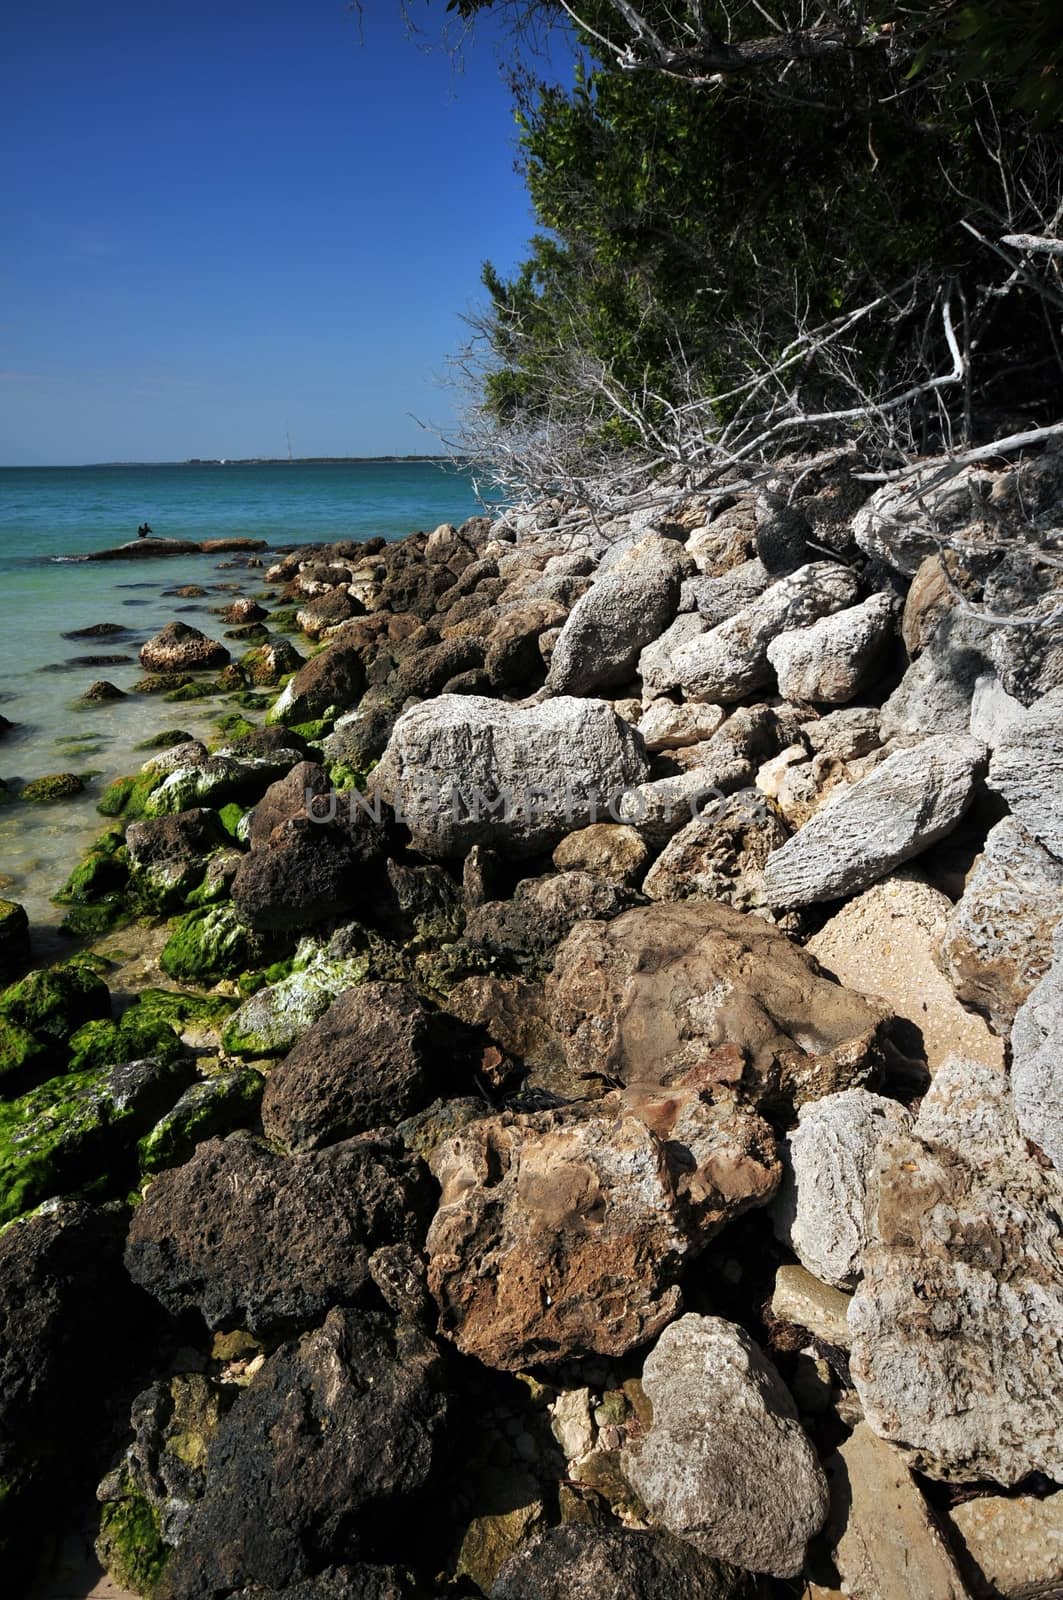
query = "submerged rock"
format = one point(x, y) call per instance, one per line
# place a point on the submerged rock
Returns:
point(725, 1465)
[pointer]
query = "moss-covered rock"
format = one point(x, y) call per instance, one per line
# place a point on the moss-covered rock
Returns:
point(166, 739)
point(90, 922)
point(104, 870)
point(55, 1001)
point(161, 682)
point(192, 690)
point(14, 938)
point(269, 1022)
point(22, 1056)
point(129, 1545)
point(81, 1129)
point(127, 797)
point(267, 664)
point(133, 1036)
point(206, 1109)
point(232, 725)
point(185, 1012)
point(53, 786)
point(318, 728)
point(206, 945)
point(230, 817)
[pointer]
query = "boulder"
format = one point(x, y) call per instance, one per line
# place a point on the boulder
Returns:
point(272, 1019)
point(179, 648)
point(804, 1302)
point(512, 656)
point(885, 1540)
point(563, 1232)
point(666, 990)
point(607, 850)
point(582, 1562)
point(936, 692)
point(720, 855)
point(328, 683)
point(998, 940)
point(312, 871)
point(375, 1056)
point(955, 1346)
point(1027, 769)
point(666, 726)
point(725, 1465)
point(655, 660)
point(167, 855)
point(833, 658)
point(525, 930)
point(886, 942)
point(783, 530)
point(252, 1239)
point(928, 600)
point(993, 710)
point(465, 770)
point(14, 938)
point(327, 1455)
point(626, 608)
point(266, 664)
point(1037, 1060)
point(905, 522)
point(907, 803)
point(243, 610)
point(731, 660)
point(830, 1162)
point(290, 797)
point(1012, 1548)
point(716, 599)
point(326, 610)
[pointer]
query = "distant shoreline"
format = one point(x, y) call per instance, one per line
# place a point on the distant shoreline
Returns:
point(240, 461)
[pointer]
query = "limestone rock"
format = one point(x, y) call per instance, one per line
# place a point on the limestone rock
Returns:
point(803, 1300)
point(886, 942)
point(907, 803)
point(821, 1210)
point(903, 522)
point(993, 710)
point(524, 931)
point(666, 990)
point(725, 1465)
point(581, 1562)
point(1012, 1548)
point(998, 942)
point(607, 850)
point(936, 692)
point(716, 599)
point(928, 600)
point(1027, 769)
point(886, 1544)
point(721, 854)
point(956, 1350)
point(666, 726)
point(731, 660)
point(179, 648)
point(256, 1240)
point(626, 608)
point(564, 1232)
point(831, 660)
point(466, 770)
point(328, 683)
point(1037, 1060)
point(655, 661)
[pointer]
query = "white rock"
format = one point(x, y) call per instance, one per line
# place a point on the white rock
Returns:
point(625, 609)
point(908, 802)
point(725, 1464)
point(830, 660)
point(1037, 1061)
point(666, 726)
point(830, 1164)
point(993, 710)
point(1012, 1547)
point(1027, 769)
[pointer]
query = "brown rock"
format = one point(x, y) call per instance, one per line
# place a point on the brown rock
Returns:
point(647, 997)
point(243, 610)
point(608, 850)
point(928, 600)
point(721, 854)
point(179, 648)
point(565, 1232)
point(291, 796)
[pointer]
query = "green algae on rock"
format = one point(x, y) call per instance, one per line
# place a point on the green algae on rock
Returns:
point(126, 797)
point(14, 937)
point(270, 1021)
point(135, 1035)
point(54, 786)
point(129, 1545)
point(79, 1129)
point(206, 945)
point(166, 739)
point(22, 1055)
point(53, 1002)
point(184, 1011)
point(206, 1109)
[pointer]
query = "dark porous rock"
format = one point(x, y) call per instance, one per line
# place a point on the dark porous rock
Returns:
point(266, 664)
point(312, 871)
point(326, 1457)
point(61, 1362)
point(291, 796)
point(98, 630)
point(14, 939)
point(652, 995)
point(562, 1233)
point(524, 932)
point(581, 1562)
point(426, 671)
point(418, 900)
point(513, 657)
point(167, 854)
point(475, 681)
point(326, 611)
point(376, 1056)
point(258, 1240)
point(179, 648)
point(101, 690)
point(330, 682)
point(359, 1582)
point(267, 742)
point(361, 738)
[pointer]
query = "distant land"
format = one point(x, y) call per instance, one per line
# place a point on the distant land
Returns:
point(297, 461)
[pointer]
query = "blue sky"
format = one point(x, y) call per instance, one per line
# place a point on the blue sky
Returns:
point(222, 219)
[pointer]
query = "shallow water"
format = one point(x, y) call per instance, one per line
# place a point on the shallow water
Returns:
point(48, 514)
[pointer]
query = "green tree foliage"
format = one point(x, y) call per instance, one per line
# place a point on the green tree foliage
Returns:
point(691, 216)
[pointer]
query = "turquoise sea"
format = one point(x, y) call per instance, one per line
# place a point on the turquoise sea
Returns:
point(49, 515)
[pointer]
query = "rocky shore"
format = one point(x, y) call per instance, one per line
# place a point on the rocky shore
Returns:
point(585, 1120)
